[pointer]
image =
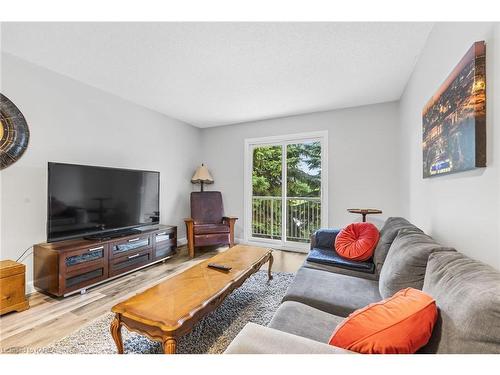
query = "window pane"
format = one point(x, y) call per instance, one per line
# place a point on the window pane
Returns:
point(303, 201)
point(266, 192)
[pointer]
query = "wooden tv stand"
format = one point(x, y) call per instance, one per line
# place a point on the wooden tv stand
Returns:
point(66, 267)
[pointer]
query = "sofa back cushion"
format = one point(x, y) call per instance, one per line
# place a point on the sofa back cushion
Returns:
point(467, 294)
point(406, 261)
point(387, 235)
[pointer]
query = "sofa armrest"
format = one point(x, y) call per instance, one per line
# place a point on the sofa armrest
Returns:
point(324, 238)
point(257, 339)
point(312, 241)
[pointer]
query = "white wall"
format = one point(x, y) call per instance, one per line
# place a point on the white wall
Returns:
point(362, 158)
point(75, 123)
point(461, 210)
point(374, 151)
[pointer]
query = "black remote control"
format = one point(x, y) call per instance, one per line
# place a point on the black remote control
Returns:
point(219, 266)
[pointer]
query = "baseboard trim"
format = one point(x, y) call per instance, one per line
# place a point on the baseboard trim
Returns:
point(30, 288)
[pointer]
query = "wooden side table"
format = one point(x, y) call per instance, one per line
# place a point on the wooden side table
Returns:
point(12, 287)
point(364, 211)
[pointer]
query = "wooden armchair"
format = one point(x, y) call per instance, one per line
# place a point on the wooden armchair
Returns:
point(207, 224)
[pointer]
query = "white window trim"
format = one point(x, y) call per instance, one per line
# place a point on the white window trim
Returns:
point(322, 136)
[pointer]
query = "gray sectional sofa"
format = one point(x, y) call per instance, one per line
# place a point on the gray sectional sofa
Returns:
point(467, 293)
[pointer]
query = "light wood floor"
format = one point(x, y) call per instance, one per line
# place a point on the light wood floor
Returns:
point(50, 319)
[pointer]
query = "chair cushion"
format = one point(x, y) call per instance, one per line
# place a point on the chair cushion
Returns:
point(210, 228)
point(467, 293)
point(357, 241)
point(306, 321)
point(406, 261)
point(330, 257)
point(332, 292)
point(387, 235)
point(401, 324)
point(211, 239)
point(206, 207)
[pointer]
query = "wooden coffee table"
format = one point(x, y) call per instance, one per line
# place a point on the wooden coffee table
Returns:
point(170, 309)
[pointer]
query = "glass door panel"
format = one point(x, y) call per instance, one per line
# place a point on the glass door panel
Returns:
point(303, 190)
point(267, 194)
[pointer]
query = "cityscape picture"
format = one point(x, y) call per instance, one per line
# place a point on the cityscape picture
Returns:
point(454, 119)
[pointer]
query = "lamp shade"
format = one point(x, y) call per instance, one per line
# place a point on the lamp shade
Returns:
point(202, 175)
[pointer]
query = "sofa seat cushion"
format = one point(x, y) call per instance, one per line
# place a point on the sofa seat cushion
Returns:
point(340, 270)
point(406, 261)
point(211, 228)
point(357, 241)
point(256, 339)
point(306, 321)
point(401, 324)
point(467, 294)
point(388, 233)
point(332, 258)
point(332, 292)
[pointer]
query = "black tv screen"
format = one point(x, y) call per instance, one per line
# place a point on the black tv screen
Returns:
point(85, 200)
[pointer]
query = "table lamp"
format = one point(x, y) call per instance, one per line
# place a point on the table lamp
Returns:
point(202, 176)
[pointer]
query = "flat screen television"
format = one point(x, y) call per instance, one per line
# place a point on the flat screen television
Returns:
point(86, 200)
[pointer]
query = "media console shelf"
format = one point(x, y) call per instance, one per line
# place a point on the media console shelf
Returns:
point(66, 267)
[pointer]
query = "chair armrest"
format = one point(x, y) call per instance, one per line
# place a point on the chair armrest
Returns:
point(257, 339)
point(230, 220)
point(324, 238)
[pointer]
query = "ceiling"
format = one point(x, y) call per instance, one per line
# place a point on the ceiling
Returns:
point(210, 74)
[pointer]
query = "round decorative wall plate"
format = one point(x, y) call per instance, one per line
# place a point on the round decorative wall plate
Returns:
point(14, 133)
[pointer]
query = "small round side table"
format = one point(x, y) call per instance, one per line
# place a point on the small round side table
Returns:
point(364, 211)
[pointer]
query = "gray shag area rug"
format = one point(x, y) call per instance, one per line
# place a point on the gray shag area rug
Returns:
point(255, 301)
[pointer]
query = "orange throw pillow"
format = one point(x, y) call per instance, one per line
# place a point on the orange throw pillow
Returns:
point(401, 324)
point(357, 241)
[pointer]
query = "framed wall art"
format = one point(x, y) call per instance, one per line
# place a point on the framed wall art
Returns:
point(454, 119)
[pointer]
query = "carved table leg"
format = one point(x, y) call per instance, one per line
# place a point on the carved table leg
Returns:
point(116, 333)
point(271, 260)
point(169, 345)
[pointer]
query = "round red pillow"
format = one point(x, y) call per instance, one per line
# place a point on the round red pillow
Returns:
point(357, 241)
